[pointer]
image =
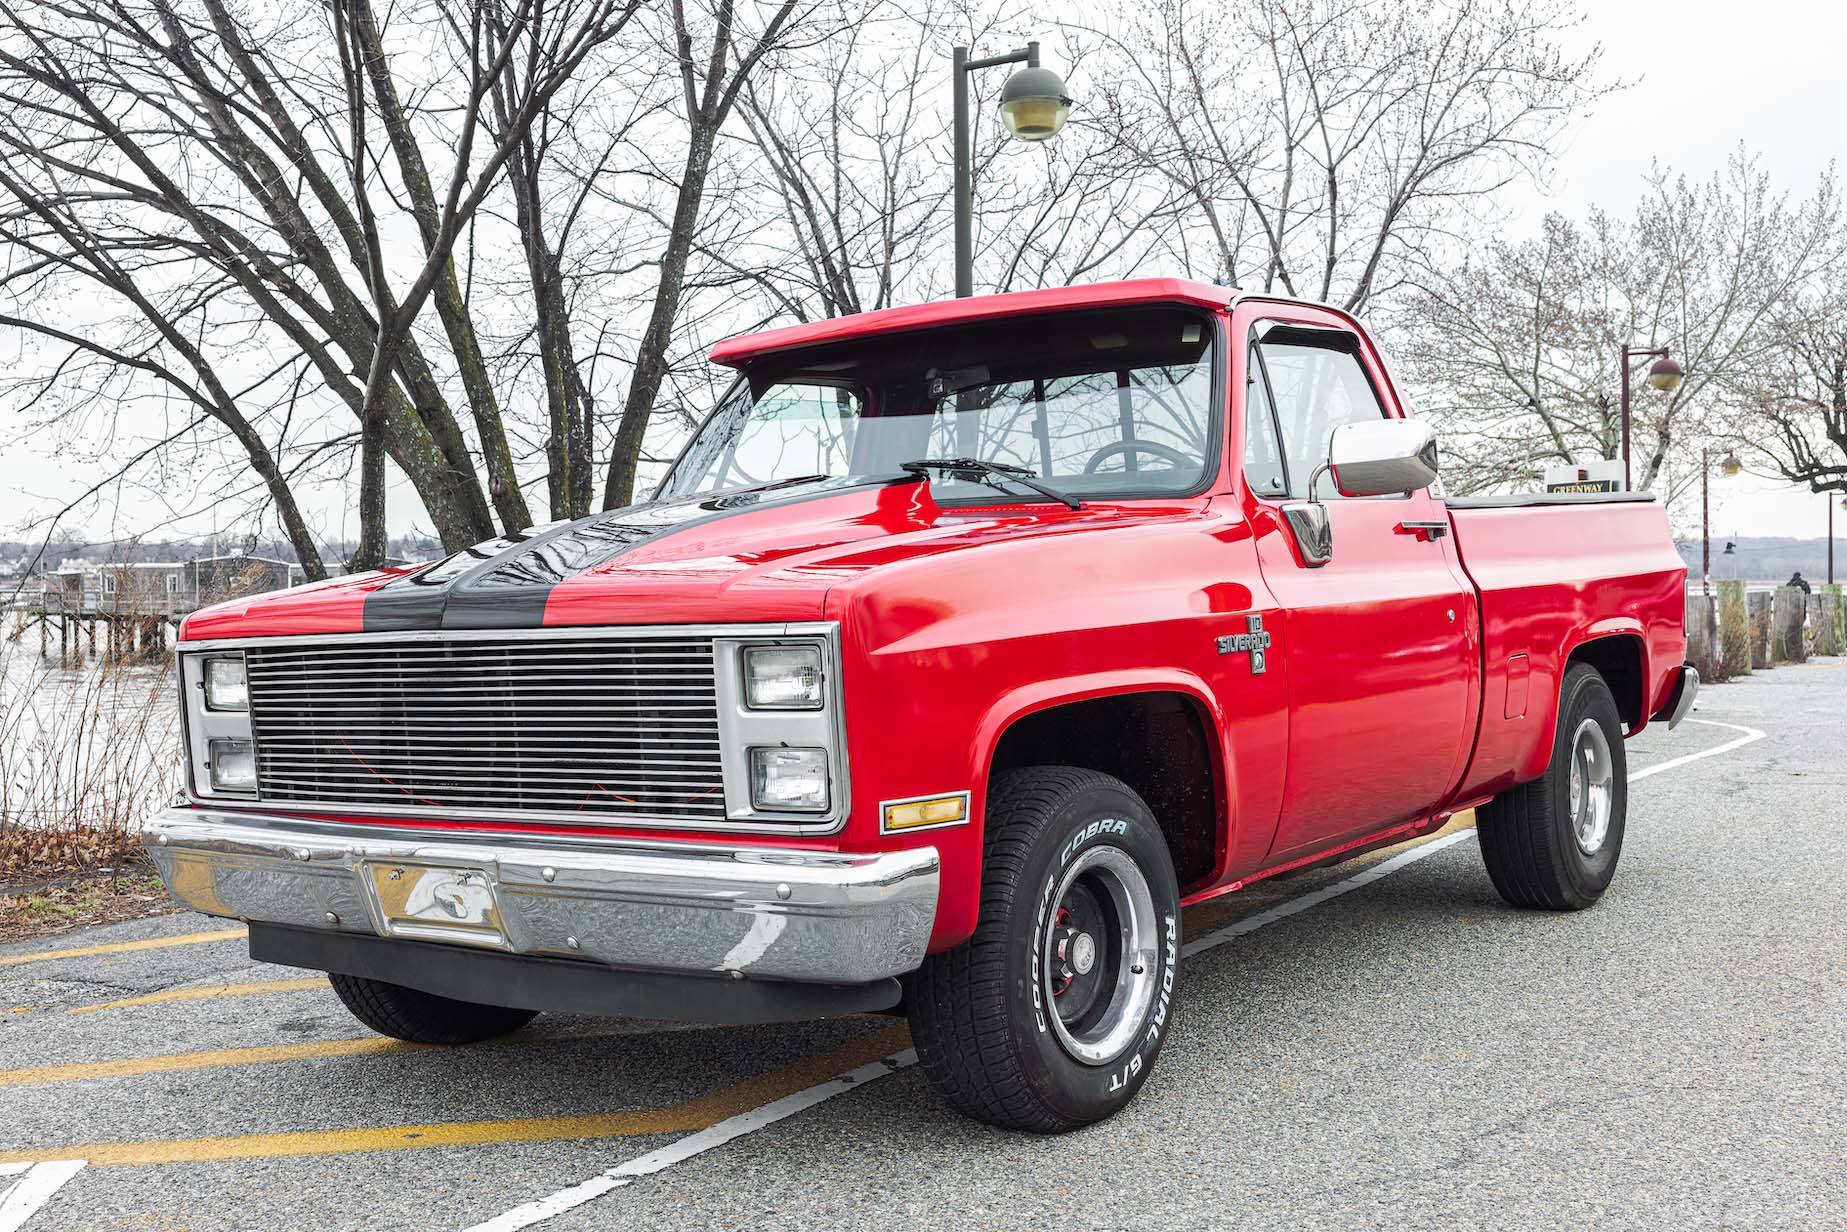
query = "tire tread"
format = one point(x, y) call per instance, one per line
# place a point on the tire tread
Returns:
point(1520, 830)
point(957, 999)
point(422, 1017)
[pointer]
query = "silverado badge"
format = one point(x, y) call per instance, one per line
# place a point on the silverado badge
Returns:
point(1254, 640)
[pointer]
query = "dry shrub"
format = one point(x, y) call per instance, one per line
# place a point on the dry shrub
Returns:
point(85, 754)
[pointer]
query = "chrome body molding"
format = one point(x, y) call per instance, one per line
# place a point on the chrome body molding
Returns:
point(764, 912)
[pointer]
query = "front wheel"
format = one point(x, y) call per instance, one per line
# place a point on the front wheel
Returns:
point(1051, 1016)
point(1553, 843)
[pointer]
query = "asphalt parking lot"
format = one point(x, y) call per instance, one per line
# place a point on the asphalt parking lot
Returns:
point(1380, 1044)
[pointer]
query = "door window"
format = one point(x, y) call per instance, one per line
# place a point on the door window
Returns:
point(1316, 384)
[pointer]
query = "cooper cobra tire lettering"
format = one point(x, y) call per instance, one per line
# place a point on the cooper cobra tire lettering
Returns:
point(982, 1014)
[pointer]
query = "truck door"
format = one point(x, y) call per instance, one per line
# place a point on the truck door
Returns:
point(1379, 642)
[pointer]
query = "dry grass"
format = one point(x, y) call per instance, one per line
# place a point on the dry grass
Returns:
point(85, 754)
point(52, 910)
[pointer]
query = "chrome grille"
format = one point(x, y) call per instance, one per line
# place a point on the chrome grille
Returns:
point(599, 728)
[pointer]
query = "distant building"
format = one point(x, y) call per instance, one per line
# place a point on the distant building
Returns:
point(144, 588)
point(217, 578)
point(157, 588)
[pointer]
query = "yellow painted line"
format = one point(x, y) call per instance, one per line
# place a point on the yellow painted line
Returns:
point(213, 992)
point(265, 1054)
point(694, 1114)
point(123, 947)
point(168, 1062)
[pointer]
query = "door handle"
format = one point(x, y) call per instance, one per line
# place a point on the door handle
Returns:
point(1426, 531)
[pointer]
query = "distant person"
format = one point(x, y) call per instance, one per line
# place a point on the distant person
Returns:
point(1799, 582)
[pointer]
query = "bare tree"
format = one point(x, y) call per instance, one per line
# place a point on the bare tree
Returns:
point(1328, 147)
point(1793, 400)
point(551, 44)
point(1517, 351)
point(230, 173)
point(715, 56)
point(848, 172)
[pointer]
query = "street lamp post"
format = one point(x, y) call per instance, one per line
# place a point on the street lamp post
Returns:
point(1831, 536)
point(1729, 467)
point(1664, 374)
point(1033, 105)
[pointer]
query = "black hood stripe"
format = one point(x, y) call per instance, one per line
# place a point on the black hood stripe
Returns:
point(505, 583)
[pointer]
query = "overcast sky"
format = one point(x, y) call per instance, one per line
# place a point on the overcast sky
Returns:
point(1705, 76)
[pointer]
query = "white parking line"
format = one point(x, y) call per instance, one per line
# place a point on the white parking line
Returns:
point(1314, 898)
point(526, 1215)
point(1751, 736)
point(37, 1182)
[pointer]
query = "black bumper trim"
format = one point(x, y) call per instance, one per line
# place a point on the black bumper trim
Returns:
point(555, 985)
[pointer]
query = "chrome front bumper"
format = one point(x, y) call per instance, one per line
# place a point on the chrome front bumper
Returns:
point(765, 912)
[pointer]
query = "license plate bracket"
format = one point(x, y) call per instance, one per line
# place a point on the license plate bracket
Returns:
point(435, 902)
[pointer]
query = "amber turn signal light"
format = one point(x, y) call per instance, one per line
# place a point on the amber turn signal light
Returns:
point(924, 811)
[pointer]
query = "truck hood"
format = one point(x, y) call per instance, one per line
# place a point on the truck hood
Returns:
point(767, 555)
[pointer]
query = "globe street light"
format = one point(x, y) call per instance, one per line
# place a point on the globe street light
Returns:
point(1033, 106)
point(1664, 374)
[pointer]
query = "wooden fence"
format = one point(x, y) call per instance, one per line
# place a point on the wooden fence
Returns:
point(1735, 631)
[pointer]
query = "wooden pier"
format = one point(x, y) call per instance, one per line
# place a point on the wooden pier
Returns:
point(119, 636)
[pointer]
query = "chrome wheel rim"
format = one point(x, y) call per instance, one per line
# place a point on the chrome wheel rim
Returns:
point(1101, 956)
point(1592, 787)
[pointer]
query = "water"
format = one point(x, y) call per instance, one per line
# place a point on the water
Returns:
point(93, 745)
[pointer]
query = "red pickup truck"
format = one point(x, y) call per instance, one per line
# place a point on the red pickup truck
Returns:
point(962, 646)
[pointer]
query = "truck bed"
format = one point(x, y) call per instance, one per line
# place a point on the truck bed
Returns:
point(1553, 572)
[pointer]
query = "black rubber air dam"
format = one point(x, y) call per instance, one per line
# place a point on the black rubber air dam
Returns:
point(556, 985)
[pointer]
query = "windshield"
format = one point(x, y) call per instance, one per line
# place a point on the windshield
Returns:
point(1114, 404)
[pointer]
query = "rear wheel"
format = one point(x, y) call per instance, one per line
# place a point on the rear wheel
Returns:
point(1553, 843)
point(1051, 1016)
point(423, 1017)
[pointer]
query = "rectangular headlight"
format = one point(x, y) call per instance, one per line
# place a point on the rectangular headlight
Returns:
point(225, 686)
point(782, 677)
point(233, 766)
point(789, 780)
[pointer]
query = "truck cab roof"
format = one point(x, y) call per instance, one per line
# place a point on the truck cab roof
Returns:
point(738, 351)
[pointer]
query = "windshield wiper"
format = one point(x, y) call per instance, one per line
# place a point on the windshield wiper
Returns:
point(993, 474)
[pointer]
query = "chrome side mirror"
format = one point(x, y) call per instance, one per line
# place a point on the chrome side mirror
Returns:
point(1382, 457)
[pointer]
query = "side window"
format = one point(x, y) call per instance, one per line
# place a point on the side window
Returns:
point(1263, 457)
point(1316, 388)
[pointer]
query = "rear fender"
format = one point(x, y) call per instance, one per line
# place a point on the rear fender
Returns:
point(1605, 629)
